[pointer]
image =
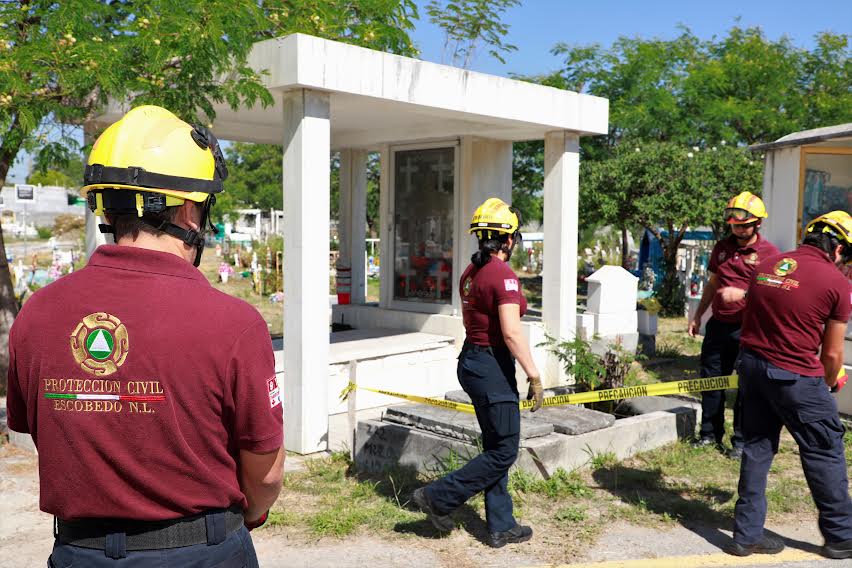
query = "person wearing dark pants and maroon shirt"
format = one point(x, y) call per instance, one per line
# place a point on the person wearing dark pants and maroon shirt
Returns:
point(732, 263)
point(492, 306)
point(151, 396)
point(792, 354)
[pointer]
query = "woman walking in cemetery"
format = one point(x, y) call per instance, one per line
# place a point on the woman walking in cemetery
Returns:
point(492, 306)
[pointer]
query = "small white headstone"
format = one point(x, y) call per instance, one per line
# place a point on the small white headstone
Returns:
point(612, 290)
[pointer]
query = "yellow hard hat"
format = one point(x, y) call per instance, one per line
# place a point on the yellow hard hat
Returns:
point(494, 216)
point(837, 223)
point(745, 208)
point(153, 151)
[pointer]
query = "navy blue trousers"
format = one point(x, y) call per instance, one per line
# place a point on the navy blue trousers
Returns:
point(772, 398)
point(237, 551)
point(489, 379)
point(719, 353)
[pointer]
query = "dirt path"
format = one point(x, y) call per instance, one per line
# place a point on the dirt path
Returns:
point(26, 539)
point(26, 536)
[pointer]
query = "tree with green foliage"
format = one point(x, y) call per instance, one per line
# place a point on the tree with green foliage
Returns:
point(254, 181)
point(666, 188)
point(743, 87)
point(528, 179)
point(467, 24)
point(61, 62)
point(52, 177)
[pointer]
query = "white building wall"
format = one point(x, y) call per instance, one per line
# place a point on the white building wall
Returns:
point(781, 195)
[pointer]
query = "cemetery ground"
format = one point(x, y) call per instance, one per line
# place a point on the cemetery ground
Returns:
point(670, 502)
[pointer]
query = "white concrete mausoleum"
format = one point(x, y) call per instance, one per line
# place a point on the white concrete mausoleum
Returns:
point(444, 136)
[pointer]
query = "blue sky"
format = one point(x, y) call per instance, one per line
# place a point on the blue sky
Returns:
point(537, 25)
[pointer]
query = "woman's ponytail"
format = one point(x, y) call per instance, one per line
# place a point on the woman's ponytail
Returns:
point(487, 248)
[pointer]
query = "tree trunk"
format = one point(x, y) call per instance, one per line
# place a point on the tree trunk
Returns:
point(8, 302)
point(671, 292)
point(625, 254)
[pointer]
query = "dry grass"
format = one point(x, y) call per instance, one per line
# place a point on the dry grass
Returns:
point(677, 484)
point(241, 288)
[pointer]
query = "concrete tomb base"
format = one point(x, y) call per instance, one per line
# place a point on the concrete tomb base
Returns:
point(424, 439)
point(568, 419)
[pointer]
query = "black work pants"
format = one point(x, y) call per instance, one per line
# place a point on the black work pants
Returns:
point(772, 398)
point(719, 353)
point(488, 377)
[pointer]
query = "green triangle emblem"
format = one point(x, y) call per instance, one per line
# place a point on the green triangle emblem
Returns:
point(99, 344)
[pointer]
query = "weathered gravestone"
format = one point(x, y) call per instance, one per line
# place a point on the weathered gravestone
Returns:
point(569, 419)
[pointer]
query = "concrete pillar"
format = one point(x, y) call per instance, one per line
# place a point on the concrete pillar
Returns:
point(306, 308)
point(561, 200)
point(486, 171)
point(353, 218)
point(94, 238)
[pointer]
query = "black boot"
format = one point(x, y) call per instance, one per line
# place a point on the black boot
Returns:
point(518, 533)
point(842, 549)
point(441, 522)
point(766, 545)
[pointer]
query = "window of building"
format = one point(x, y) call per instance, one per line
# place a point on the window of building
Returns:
point(423, 198)
point(826, 182)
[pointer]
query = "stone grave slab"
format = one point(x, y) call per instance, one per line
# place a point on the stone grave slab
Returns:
point(570, 419)
point(452, 423)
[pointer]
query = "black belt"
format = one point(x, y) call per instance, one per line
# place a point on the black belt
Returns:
point(116, 536)
point(474, 348)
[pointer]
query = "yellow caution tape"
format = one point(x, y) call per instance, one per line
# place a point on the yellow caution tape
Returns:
point(655, 389)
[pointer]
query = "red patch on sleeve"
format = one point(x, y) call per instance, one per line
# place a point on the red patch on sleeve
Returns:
point(274, 392)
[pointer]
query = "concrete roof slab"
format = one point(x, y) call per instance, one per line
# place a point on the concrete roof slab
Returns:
point(378, 98)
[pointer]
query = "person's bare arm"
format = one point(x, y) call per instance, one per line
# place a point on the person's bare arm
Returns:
point(261, 476)
point(706, 299)
point(831, 356)
point(513, 335)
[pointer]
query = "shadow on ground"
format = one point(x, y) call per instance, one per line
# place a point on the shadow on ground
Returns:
point(646, 489)
point(397, 486)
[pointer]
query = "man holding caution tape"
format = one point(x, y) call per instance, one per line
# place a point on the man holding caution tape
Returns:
point(792, 354)
point(732, 264)
point(492, 305)
point(150, 395)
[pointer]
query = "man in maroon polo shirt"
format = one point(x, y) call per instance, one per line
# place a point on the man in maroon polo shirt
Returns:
point(151, 396)
point(732, 264)
point(792, 353)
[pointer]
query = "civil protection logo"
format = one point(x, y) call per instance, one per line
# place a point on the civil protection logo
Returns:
point(785, 266)
point(468, 283)
point(100, 344)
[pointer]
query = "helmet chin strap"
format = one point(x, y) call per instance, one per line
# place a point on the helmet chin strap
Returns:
point(516, 238)
point(190, 237)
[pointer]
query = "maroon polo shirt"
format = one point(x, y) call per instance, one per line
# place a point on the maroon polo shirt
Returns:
point(790, 300)
point(140, 383)
point(482, 291)
point(734, 265)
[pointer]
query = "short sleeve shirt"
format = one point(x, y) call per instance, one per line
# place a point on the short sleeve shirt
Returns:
point(140, 383)
point(790, 300)
point(734, 265)
point(482, 291)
